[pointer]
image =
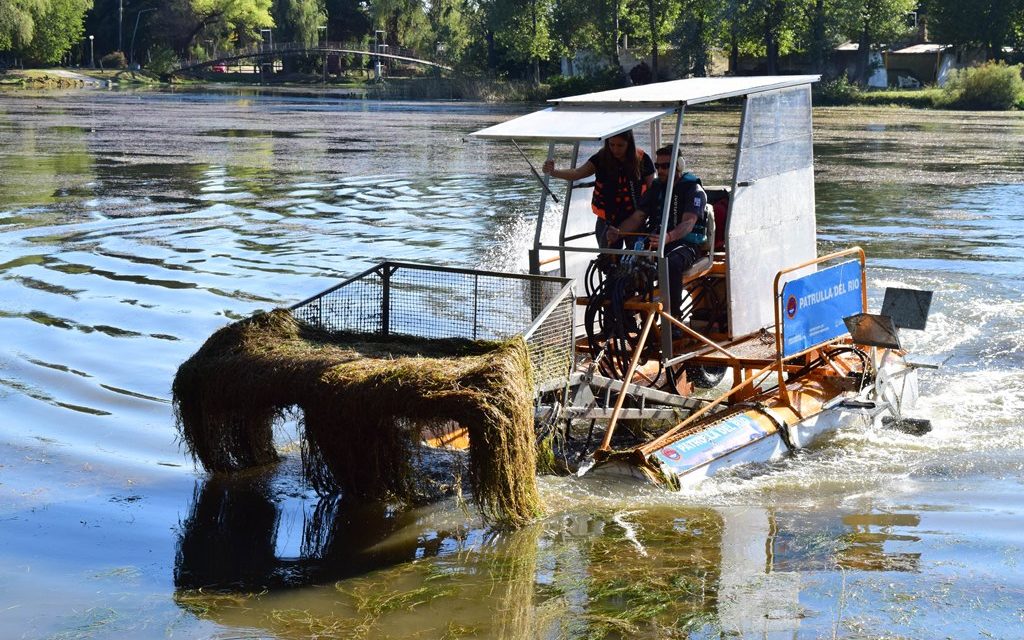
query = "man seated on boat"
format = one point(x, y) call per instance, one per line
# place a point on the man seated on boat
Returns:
point(687, 225)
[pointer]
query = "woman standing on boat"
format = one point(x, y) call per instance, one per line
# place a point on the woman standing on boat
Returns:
point(622, 173)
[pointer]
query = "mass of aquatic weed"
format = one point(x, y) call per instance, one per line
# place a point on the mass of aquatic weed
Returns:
point(364, 401)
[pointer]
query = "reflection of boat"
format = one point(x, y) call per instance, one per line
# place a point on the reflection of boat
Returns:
point(761, 304)
point(234, 539)
point(745, 571)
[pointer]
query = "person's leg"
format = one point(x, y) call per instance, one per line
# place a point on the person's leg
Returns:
point(600, 228)
point(679, 260)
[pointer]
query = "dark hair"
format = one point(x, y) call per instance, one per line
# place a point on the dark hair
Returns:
point(629, 165)
point(667, 150)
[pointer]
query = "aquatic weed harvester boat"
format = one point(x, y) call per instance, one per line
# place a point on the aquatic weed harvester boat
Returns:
point(805, 354)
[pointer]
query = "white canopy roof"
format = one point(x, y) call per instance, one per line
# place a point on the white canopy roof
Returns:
point(596, 116)
point(687, 91)
point(570, 124)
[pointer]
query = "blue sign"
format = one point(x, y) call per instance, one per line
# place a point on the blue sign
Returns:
point(711, 443)
point(813, 307)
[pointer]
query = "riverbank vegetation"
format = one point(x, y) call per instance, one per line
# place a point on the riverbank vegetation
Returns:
point(513, 50)
point(992, 86)
point(539, 41)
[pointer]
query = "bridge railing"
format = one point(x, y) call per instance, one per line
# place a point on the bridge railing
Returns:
point(262, 50)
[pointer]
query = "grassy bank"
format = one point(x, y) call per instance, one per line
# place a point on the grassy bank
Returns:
point(68, 79)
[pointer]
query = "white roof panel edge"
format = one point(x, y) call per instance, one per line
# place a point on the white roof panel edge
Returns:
point(571, 123)
point(686, 91)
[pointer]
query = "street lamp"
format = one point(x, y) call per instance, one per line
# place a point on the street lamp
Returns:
point(378, 36)
point(270, 36)
point(131, 50)
point(323, 44)
point(92, 56)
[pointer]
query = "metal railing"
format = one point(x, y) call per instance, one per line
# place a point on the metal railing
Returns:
point(425, 301)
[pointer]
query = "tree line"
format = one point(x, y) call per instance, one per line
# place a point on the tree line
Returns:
point(523, 39)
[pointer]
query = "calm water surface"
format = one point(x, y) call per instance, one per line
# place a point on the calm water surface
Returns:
point(134, 225)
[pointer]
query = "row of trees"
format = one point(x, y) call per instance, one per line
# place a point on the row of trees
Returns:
point(511, 38)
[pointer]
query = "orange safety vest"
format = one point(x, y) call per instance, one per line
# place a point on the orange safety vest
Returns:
point(619, 199)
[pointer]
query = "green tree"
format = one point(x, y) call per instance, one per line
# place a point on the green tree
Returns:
point(18, 20)
point(450, 23)
point(522, 28)
point(405, 23)
point(763, 28)
point(702, 25)
point(651, 22)
point(299, 20)
point(348, 20)
point(775, 23)
point(585, 25)
point(992, 24)
point(187, 22)
point(57, 30)
point(870, 23)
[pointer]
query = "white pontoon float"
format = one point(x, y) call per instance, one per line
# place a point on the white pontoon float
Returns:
point(793, 327)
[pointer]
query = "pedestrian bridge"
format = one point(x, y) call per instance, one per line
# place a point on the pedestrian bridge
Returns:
point(268, 52)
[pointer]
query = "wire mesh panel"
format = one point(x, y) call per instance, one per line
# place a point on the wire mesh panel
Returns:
point(550, 342)
point(437, 302)
point(354, 306)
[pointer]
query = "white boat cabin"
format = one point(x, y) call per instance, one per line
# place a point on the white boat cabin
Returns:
point(765, 217)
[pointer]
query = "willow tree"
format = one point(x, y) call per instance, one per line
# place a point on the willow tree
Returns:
point(404, 22)
point(18, 21)
point(299, 20)
point(188, 21)
point(450, 22)
point(56, 30)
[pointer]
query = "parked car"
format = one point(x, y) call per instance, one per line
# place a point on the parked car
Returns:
point(219, 68)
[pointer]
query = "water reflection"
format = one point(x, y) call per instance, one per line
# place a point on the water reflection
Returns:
point(652, 572)
point(236, 538)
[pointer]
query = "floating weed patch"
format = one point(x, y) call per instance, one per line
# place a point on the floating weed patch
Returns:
point(203, 604)
point(304, 624)
point(124, 573)
point(364, 402)
point(91, 622)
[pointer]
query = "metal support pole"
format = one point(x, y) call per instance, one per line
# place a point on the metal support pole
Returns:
point(565, 211)
point(476, 302)
point(606, 443)
point(663, 279)
point(385, 300)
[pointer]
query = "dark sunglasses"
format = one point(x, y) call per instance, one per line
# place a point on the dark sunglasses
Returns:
point(662, 165)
